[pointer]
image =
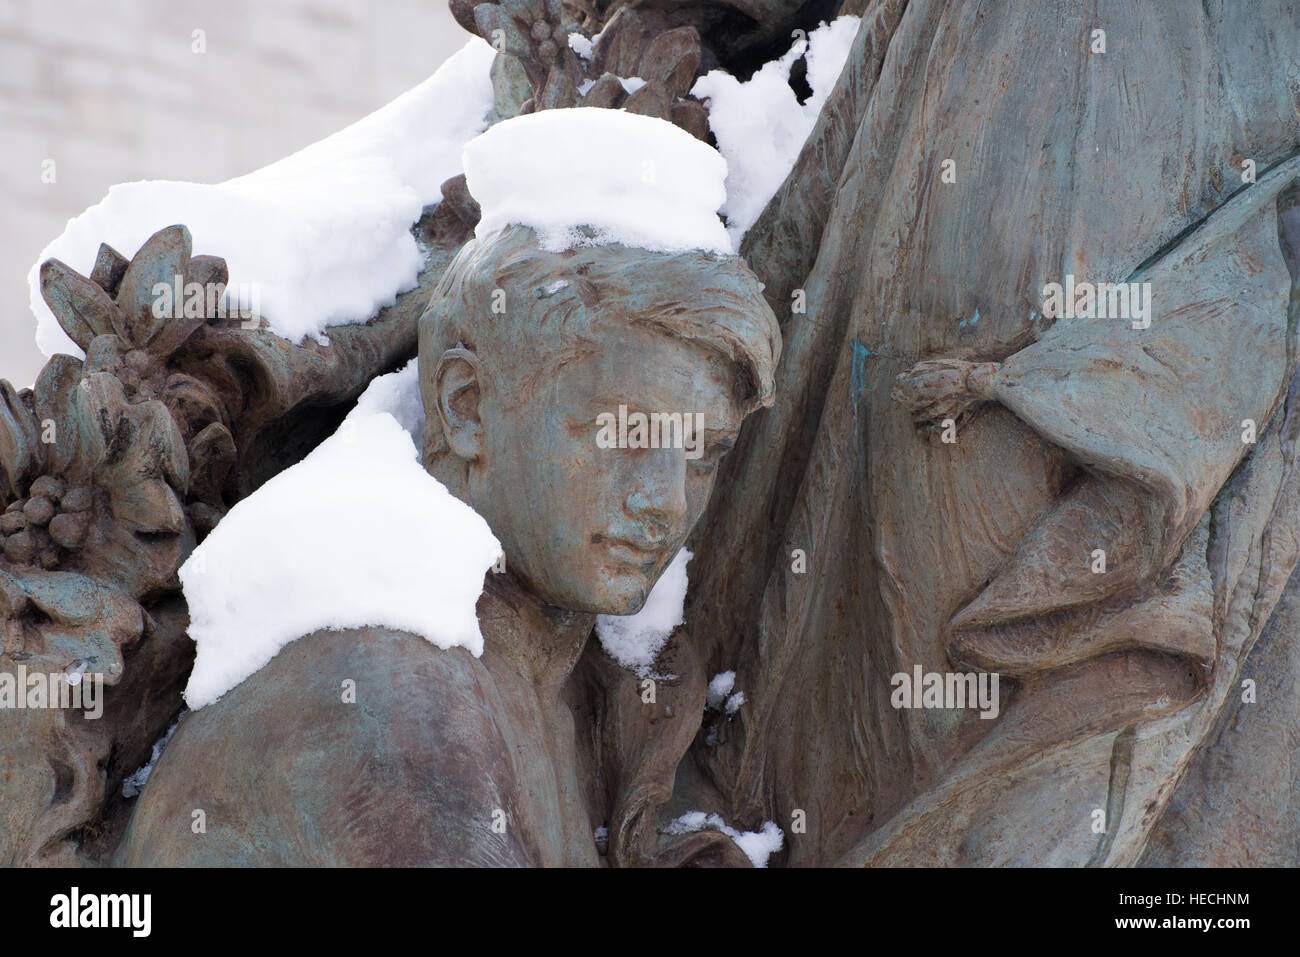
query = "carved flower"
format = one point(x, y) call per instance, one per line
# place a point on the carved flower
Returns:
point(136, 336)
point(532, 30)
point(535, 39)
point(124, 327)
point(95, 464)
point(107, 496)
point(96, 484)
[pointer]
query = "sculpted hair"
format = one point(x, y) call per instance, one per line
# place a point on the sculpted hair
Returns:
point(505, 298)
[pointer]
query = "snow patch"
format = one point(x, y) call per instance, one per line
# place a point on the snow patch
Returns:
point(634, 641)
point(760, 125)
point(136, 780)
point(356, 534)
point(398, 394)
point(589, 176)
point(323, 235)
point(720, 686)
point(757, 845)
point(719, 695)
point(581, 45)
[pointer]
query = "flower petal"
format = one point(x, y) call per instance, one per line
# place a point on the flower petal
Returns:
point(56, 412)
point(161, 260)
point(83, 309)
point(20, 450)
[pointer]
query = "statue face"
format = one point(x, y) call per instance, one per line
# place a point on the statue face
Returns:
point(587, 527)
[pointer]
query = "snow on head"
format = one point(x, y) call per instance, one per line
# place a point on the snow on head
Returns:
point(594, 176)
point(761, 126)
point(356, 534)
point(319, 238)
point(634, 640)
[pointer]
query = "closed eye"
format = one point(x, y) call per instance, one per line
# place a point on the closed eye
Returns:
point(713, 454)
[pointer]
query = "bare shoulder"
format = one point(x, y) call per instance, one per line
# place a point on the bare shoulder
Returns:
point(361, 747)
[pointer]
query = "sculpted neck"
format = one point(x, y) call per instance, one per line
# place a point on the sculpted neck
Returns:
point(539, 641)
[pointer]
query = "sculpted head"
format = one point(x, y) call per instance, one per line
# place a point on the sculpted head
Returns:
point(526, 355)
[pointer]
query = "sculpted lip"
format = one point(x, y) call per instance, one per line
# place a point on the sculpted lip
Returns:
point(628, 551)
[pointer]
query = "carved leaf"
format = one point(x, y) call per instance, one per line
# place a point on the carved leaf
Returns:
point(208, 270)
point(489, 17)
point(463, 13)
point(511, 87)
point(98, 414)
point(20, 450)
point(83, 309)
point(165, 256)
point(104, 354)
point(691, 116)
point(212, 456)
point(56, 399)
point(618, 50)
point(456, 197)
point(110, 267)
point(651, 100)
point(174, 334)
point(605, 92)
point(673, 58)
point(559, 93)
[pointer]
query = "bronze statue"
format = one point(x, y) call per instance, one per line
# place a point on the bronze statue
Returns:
point(1033, 419)
point(488, 768)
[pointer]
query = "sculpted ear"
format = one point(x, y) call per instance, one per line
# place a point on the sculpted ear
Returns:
point(456, 383)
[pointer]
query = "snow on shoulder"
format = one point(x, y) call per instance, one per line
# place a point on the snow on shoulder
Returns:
point(356, 534)
point(590, 176)
point(319, 238)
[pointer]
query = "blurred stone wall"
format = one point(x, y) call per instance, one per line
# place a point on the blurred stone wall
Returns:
point(113, 92)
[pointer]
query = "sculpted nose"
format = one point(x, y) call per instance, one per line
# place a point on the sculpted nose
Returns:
point(658, 497)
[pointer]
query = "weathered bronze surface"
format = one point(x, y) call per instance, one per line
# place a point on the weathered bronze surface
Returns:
point(925, 482)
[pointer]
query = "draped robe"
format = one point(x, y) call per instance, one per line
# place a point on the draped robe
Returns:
point(1122, 165)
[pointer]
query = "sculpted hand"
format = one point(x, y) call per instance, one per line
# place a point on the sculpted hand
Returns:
point(939, 389)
